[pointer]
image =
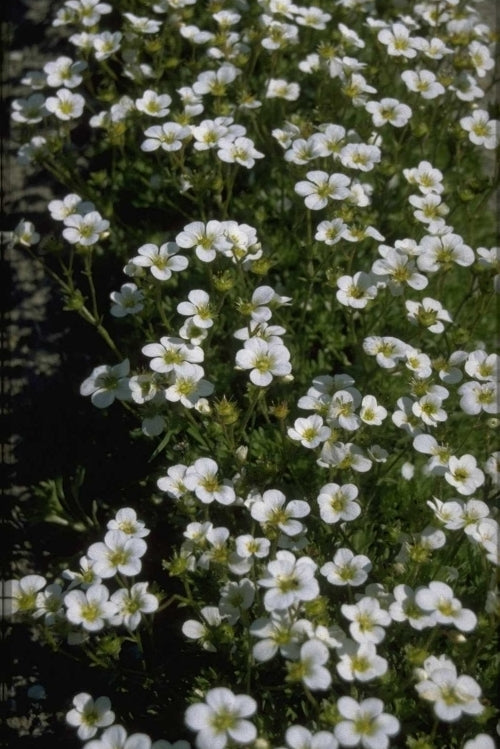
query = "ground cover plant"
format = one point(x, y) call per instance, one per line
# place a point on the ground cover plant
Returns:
point(277, 218)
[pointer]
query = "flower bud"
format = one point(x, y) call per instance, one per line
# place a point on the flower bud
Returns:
point(223, 281)
point(226, 411)
point(241, 453)
point(261, 266)
point(280, 410)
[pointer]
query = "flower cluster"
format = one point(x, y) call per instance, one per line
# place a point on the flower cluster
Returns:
point(87, 603)
point(296, 197)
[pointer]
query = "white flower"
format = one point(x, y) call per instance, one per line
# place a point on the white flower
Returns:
point(387, 350)
point(65, 104)
point(430, 210)
point(271, 510)
point(88, 12)
point(438, 599)
point(207, 239)
point(126, 521)
point(396, 269)
point(198, 307)
point(355, 85)
point(222, 718)
point(342, 407)
point(279, 35)
point(405, 608)
point(356, 291)
point(427, 444)
point(481, 58)
point(365, 723)
point(247, 548)
point(418, 363)
point(465, 87)
point(85, 577)
point(89, 715)
point(367, 620)
point(479, 396)
point(310, 668)
point(236, 597)
point(270, 333)
point(189, 386)
point(208, 134)
point(30, 151)
point(116, 737)
point(451, 694)
point(482, 366)
point(277, 88)
point(69, 205)
point(85, 230)
point(215, 81)
point(145, 387)
point(106, 44)
point(371, 412)
point(265, 360)
point(312, 17)
point(301, 151)
point(482, 131)
point(426, 177)
point(360, 156)
point(289, 581)
point(49, 604)
point(298, 737)
point(202, 631)
point(173, 484)
point(25, 234)
point(128, 301)
point(107, 383)
point(471, 514)
point(330, 232)
point(202, 479)
point(429, 313)
point(120, 553)
point(191, 101)
point(22, 594)
point(131, 604)
point(464, 474)
point(64, 72)
point(240, 151)
point(428, 410)
point(481, 741)
point(329, 141)
point(310, 432)
point(142, 24)
point(398, 41)
point(347, 568)
point(171, 355)
point(344, 455)
point(433, 48)
point(168, 137)
point(322, 187)
point(259, 308)
point(279, 632)
point(423, 82)
point(162, 261)
point(389, 111)
point(91, 608)
point(31, 110)
point(338, 503)
point(360, 662)
point(436, 252)
point(156, 105)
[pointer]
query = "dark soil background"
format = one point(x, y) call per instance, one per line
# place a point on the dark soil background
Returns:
point(48, 430)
